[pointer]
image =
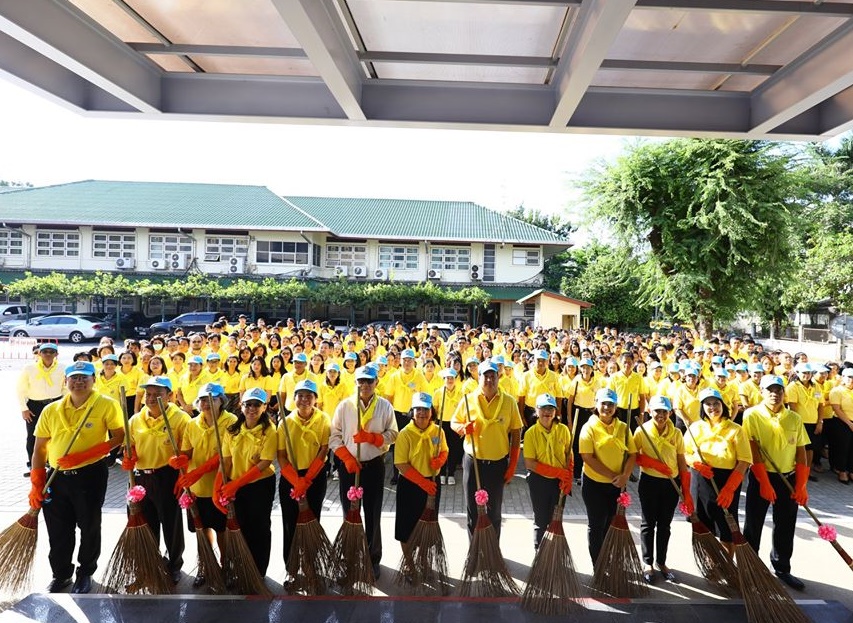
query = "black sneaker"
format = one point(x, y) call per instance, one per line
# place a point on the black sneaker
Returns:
point(57, 585)
point(796, 583)
point(82, 585)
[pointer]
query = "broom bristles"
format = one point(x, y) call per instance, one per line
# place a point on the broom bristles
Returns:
point(713, 560)
point(485, 573)
point(425, 570)
point(240, 571)
point(552, 585)
point(618, 571)
point(208, 565)
point(310, 555)
point(136, 567)
point(17, 551)
point(351, 555)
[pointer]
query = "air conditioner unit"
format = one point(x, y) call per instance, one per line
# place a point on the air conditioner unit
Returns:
point(125, 263)
point(433, 274)
point(341, 271)
point(158, 264)
point(475, 273)
point(380, 273)
point(178, 261)
point(359, 271)
point(236, 265)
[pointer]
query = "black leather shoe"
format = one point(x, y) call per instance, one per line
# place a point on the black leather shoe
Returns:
point(176, 575)
point(376, 571)
point(57, 585)
point(794, 582)
point(82, 585)
point(199, 581)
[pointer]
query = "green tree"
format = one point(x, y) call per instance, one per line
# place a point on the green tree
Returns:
point(554, 268)
point(707, 219)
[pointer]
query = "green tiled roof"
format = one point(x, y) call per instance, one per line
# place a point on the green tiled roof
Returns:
point(149, 204)
point(506, 293)
point(420, 220)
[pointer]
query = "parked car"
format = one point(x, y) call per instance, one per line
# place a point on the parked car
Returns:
point(192, 321)
point(8, 326)
point(133, 323)
point(842, 327)
point(72, 327)
point(13, 311)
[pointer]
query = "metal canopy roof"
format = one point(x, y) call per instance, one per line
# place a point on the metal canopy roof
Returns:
point(779, 69)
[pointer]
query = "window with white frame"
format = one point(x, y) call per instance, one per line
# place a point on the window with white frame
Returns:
point(346, 255)
point(53, 305)
point(226, 246)
point(113, 245)
point(161, 246)
point(449, 258)
point(523, 310)
point(58, 244)
point(525, 257)
point(457, 314)
point(11, 242)
point(401, 258)
point(276, 252)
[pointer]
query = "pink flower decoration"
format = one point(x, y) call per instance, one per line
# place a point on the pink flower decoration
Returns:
point(293, 495)
point(355, 493)
point(185, 501)
point(682, 508)
point(135, 494)
point(481, 497)
point(224, 500)
point(827, 532)
point(624, 499)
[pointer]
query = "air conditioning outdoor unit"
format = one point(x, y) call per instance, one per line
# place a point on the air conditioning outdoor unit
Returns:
point(125, 263)
point(433, 274)
point(380, 273)
point(236, 265)
point(341, 271)
point(359, 271)
point(158, 264)
point(178, 261)
point(475, 273)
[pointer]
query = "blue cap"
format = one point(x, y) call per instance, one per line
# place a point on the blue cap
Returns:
point(691, 369)
point(487, 366)
point(407, 354)
point(351, 356)
point(196, 359)
point(660, 402)
point(158, 381)
point(300, 357)
point(382, 360)
point(541, 354)
point(499, 360)
point(212, 390)
point(717, 359)
point(710, 393)
point(80, 367)
point(606, 395)
point(333, 366)
point(471, 360)
point(365, 372)
point(721, 372)
point(654, 365)
point(213, 357)
point(847, 372)
point(572, 361)
point(587, 362)
point(741, 367)
point(674, 367)
point(820, 369)
point(803, 368)
point(546, 400)
point(113, 358)
point(307, 385)
point(756, 367)
point(447, 372)
point(256, 393)
point(421, 399)
point(769, 380)
point(48, 346)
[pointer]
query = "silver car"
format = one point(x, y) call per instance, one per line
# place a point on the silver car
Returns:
point(66, 327)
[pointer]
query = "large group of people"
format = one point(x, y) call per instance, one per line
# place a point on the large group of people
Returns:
point(307, 403)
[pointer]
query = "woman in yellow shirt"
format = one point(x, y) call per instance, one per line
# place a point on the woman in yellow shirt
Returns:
point(258, 376)
point(108, 381)
point(805, 397)
point(156, 367)
point(131, 376)
point(231, 383)
point(446, 399)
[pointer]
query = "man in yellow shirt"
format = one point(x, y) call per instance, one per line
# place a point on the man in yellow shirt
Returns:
point(537, 380)
point(630, 389)
point(291, 379)
point(77, 493)
point(40, 383)
point(841, 430)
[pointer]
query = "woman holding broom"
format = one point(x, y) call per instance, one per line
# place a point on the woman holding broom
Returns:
point(725, 449)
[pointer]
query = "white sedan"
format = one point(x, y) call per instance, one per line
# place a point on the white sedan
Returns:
point(67, 327)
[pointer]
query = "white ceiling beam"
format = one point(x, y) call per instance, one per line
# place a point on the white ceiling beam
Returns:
point(595, 27)
point(321, 35)
point(836, 114)
point(818, 75)
point(70, 39)
point(824, 9)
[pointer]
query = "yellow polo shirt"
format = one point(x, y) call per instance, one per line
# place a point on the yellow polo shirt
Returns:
point(722, 445)
point(417, 447)
point(843, 398)
point(402, 386)
point(109, 387)
point(607, 443)
point(493, 421)
point(532, 385)
point(59, 421)
point(231, 382)
point(669, 443)
point(256, 442)
point(451, 400)
point(201, 439)
point(131, 380)
point(750, 394)
point(583, 392)
point(509, 385)
point(627, 387)
point(191, 387)
point(330, 397)
point(779, 434)
point(804, 400)
point(307, 436)
point(551, 447)
point(287, 386)
point(150, 438)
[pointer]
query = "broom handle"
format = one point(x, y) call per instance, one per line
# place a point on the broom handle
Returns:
point(627, 432)
point(76, 434)
point(287, 440)
point(473, 443)
point(702, 458)
point(440, 429)
point(561, 502)
point(660, 458)
point(215, 417)
point(128, 448)
point(358, 429)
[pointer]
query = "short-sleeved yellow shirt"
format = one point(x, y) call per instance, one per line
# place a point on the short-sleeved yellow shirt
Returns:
point(669, 443)
point(493, 421)
point(307, 436)
point(551, 447)
point(417, 447)
point(804, 400)
point(248, 443)
point(722, 445)
point(60, 419)
point(449, 398)
point(151, 439)
point(607, 443)
point(201, 439)
point(778, 434)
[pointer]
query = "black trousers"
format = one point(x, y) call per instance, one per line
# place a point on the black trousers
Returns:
point(784, 520)
point(402, 418)
point(411, 502)
point(629, 416)
point(492, 480)
point(600, 500)
point(658, 500)
point(583, 415)
point(76, 499)
point(529, 417)
point(454, 450)
point(253, 509)
point(290, 507)
point(161, 511)
point(36, 407)
point(840, 439)
point(373, 483)
point(544, 495)
point(705, 498)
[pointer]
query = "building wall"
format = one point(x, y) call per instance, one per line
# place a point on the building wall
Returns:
point(550, 312)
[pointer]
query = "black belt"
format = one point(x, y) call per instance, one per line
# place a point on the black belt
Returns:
point(485, 462)
point(139, 472)
point(46, 401)
point(77, 471)
point(376, 458)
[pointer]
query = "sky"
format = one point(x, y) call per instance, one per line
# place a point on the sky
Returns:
point(43, 143)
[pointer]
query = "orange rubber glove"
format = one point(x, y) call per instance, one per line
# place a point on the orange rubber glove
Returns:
point(229, 489)
point(299, 489)
point(38, 478)
point(217, 494)
point(685, 491)
point(314, 469)
point(566, 486)
point(644, 460)
point(800, 495)
point(179, 461)
point(128, 463)
point(290, 473)
point(437, 462)
point(727, 493)
point(348, 460)
point(514, 453)
point(185, 481)
point(416, 477)
point(766, 489)
point(74, 459)
point(468, 429)
point(364, 436)
point(704, 469)
point(549, 471)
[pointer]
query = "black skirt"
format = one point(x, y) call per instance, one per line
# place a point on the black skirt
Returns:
point(411, 501)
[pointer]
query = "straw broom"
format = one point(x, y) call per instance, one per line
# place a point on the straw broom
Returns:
point(238, 567)
point(135, 567)
point(765, 599)
point(825, 531)
point(424, 566)
point(485, 573)
point(711, 558)
point(310, 555)
point(553, 584)
point(208, 565)
point(18, 541)
point(618, 570)
point(350, 551)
